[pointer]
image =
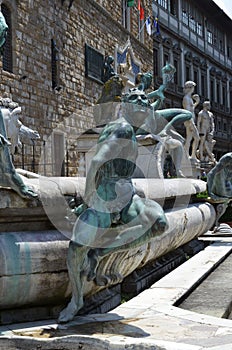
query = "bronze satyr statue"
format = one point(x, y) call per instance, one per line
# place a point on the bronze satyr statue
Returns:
point(219, 184)
point(113, 218)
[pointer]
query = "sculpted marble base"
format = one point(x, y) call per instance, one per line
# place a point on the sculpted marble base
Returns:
point(33, 263)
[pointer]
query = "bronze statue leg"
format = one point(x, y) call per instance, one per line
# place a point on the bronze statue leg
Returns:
point(76, 264)
point(82, 256)
point(143, 219)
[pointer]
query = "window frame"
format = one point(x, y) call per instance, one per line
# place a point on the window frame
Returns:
point(90, 71)
point(163, 3)
point(126, 15)
point(55, 65)
point(192, 18)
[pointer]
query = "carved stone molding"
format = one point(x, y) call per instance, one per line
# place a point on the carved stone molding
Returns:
point(167, 42)
point(177, 49)
point(188, 56)
point(196, 61)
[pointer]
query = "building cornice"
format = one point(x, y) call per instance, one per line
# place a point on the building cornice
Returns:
point(195, 49)
point(215, 14)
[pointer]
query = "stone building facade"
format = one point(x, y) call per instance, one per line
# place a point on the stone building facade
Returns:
point(50, 68)
point(195, 36)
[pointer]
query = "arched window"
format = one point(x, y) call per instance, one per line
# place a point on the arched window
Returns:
point(7, 58)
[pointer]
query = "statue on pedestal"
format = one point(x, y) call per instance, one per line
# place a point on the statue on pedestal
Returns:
point(190, 102)
point(125, 71)
point(161, 122)
point(8, 175)
point(205, 126)
point(108, 69)
point(16, 131)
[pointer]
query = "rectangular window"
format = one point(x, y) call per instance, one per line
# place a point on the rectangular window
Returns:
point(219, 40)
point(155, 60)
point(221, 45)
point(195, 76)
point(199, 29)
point(169, 5)
point(212, 90)
point(163, 3)
point(192, 17)
point(173, 7)
point(93, 63)
point(187, 73)
point(185, 18)
point(203, 85)
point(126, 11)
point(7, 56)
point(192, 24)
point(229, 48)
point(176, 65)
point(218, 92)
point(209, 37)
point(166, 58)
point(215, 37)
point(55, 64)
point(229, 51)
point(224, 97)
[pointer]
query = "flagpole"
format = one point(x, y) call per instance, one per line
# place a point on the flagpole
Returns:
point(142, 28)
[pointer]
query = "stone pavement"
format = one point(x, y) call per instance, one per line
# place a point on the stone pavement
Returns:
point(149, 321)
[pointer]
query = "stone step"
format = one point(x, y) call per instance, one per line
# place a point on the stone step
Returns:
point(174, 287)
point(214, 295)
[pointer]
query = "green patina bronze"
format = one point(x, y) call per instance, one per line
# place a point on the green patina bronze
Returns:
point(219, 179)
point(114, 218)
point(219, 185)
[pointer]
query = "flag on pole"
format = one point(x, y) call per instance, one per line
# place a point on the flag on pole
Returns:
point(141, 11)
point(156, 26)
point(130, 3)
point(148, 25)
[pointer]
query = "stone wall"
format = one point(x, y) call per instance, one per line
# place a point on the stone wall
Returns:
point(96, 23)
